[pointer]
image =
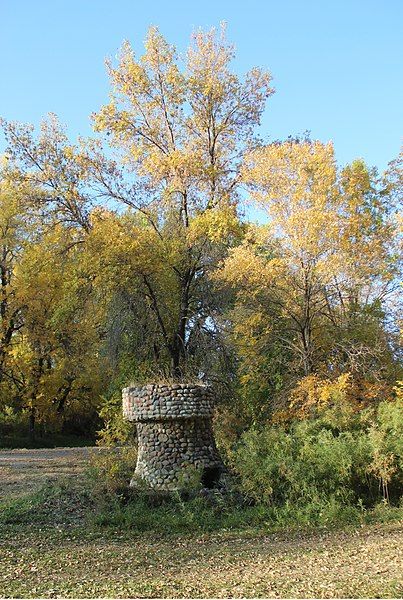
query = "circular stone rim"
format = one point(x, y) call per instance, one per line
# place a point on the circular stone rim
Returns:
point(157, 402)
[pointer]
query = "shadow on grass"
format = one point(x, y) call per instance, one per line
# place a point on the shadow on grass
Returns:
point(54, 441)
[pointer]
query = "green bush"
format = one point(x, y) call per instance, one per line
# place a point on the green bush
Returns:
point(386, 440)
point(116, 430)
point(310, 464)
point(308, 475)
point(110, 470)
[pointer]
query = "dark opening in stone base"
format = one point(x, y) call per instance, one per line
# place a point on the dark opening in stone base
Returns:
point(210, 477)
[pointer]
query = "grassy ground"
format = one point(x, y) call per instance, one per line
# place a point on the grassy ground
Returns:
point(74, 562)
point(48, 548)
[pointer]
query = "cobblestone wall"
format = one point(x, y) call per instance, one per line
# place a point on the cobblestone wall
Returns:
point(174, 433)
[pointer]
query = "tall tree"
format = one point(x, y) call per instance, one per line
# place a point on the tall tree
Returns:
point(316, 279)
point(182, 130)
point(49, 339)
point(60, 358)
point(18, 227)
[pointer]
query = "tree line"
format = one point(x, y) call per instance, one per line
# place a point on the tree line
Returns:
point(127, 256)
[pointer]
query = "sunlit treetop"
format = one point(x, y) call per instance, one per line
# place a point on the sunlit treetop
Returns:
point(183, 125)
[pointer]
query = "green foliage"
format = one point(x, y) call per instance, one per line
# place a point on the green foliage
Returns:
point(87, 505)
point(11, 420)
point(188, 510)
point(110, 470)
point(116, 430)
point(386, 441)
point(310, 463)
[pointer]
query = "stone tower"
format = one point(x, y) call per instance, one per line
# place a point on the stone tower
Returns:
point(174, 433)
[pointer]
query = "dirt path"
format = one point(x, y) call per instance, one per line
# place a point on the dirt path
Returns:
point(23, 471)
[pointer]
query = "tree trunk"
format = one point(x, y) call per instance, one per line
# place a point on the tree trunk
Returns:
point(177, 347)
point(31, 425)
point(176, 370)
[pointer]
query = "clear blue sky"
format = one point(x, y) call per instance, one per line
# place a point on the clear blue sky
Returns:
point(336, 64)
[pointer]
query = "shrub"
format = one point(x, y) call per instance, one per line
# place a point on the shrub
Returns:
point(116, 430)
point(386, 439)
point(110, 470)
point(310, 463)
